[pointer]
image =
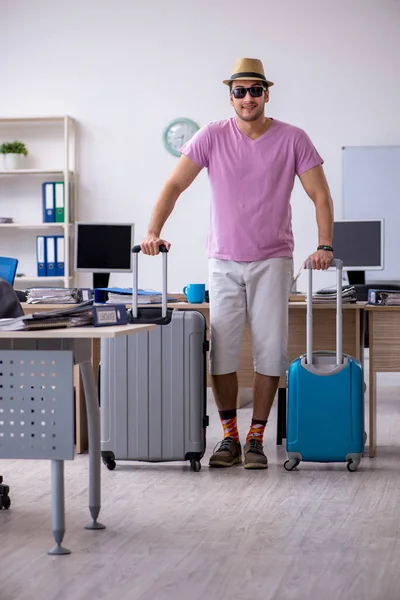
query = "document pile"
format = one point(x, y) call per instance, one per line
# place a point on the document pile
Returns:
point(57, 295)
point(51, 319)
point(328, 296)
point(117, 295)
point(384, 297)
point(144, 297)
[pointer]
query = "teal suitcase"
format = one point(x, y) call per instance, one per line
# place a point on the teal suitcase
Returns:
point(325, 415)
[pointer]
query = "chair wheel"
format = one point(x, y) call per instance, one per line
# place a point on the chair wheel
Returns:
point(196, 465)
point(110, 463)
point(5, 502)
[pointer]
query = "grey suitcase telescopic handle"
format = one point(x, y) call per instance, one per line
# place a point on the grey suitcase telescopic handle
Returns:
point(336, 262)
point(136, 250)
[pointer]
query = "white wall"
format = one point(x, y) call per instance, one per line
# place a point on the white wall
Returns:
point(124, 69)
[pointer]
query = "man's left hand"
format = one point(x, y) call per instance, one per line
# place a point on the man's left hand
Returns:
point(321, 259)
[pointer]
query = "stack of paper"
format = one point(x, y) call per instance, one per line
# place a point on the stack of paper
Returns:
point(57, 295)
point(50, 319)
point(384, 297)
point(329, 297)
point(118, 295)
point(143, 297)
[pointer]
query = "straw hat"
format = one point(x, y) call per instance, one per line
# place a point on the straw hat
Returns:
point(248, 68)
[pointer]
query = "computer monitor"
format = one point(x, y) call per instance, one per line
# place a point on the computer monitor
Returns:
point(102, 248)
point(359, 244)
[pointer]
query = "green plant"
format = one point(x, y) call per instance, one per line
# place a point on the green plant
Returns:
point(13, 148)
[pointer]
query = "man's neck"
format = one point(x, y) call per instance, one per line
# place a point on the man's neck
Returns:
point(254, 129)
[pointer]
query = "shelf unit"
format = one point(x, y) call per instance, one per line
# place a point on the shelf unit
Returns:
point(32, 225)
point(65, 172)
point(34, 172)
point(42, 279)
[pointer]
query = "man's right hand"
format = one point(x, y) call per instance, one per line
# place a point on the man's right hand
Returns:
point(151, 244)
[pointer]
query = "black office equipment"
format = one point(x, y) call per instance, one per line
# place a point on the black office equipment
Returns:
point(359, 244)
point(103, 248)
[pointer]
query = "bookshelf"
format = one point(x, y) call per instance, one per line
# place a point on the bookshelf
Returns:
point(34, 172)
point(51, 144)
point(31, 225)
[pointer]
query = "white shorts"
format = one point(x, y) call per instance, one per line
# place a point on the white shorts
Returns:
point(257, 290)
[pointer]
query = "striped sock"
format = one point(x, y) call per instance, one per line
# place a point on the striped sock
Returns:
point(256, 430)
point(229, 423)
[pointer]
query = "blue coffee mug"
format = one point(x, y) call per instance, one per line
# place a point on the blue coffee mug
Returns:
point(195, 292)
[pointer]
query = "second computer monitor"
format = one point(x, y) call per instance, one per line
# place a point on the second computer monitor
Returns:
point(103, 248)
point(359, 244)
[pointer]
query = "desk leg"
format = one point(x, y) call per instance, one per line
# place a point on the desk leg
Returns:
point(281, 416)
point(58, 506)
point(93, 418)
point(372, 409)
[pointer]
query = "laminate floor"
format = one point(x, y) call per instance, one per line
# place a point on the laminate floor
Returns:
point(320, 533)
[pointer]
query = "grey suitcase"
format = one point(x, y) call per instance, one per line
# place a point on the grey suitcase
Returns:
point(153, 386)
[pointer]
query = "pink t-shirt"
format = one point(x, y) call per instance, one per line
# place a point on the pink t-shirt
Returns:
point(251, 183)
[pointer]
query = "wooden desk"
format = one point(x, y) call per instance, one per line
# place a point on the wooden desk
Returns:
point(384, 355)
point(324, 338)
point(324, 334)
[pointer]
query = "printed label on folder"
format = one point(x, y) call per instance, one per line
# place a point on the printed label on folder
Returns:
point(50, 256)
point(48, 202)
point(59, 201)
point(41, 256)
point(60, 256)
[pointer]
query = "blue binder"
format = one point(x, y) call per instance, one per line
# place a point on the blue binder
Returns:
point(41, 255)
point(50, 255)
point(48, 202)
point(60, 255)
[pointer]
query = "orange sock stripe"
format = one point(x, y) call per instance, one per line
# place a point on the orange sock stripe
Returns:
point(230, 428)
point(256, 431)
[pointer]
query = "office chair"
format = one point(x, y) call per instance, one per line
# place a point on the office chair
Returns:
point(8, 269)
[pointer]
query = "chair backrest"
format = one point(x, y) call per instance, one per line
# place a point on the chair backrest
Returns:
point(8, 269)
point(10, 306)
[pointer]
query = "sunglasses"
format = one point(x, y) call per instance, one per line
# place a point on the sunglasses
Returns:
point(256, 91)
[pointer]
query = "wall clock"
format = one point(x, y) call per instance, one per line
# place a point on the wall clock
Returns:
point(177, 133)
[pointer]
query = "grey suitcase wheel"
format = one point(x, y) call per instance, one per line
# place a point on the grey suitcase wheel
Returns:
point(352, 465)
point(110, 463)
point(196, 465)
point(291, 464)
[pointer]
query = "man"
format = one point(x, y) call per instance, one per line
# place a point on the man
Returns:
point(252, 161)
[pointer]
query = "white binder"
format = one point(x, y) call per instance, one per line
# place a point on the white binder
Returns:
point(50, 256)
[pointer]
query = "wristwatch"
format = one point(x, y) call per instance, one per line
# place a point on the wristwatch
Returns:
point(327, 248)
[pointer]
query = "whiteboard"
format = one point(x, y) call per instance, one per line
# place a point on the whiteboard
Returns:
point(371, 190)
